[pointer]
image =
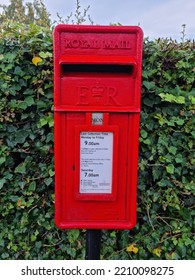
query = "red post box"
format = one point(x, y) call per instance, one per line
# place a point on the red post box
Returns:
point(97, 81)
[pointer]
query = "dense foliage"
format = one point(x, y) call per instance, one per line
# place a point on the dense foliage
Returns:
point(26, 12)
point(166, 166)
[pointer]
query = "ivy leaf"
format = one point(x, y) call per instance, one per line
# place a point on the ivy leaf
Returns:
point(2, 182)
point(179, 158)
point(170, 168)
point(149, 85)
point(157, 252)
point(172, 150)
point(45, 54)
point(48, 181)
point(172, 98)
point(143, 133)
point(132, 248)
point(32, 186)
point(21, 168)
point(36, 60)
point(73, 235)
point(29, 100)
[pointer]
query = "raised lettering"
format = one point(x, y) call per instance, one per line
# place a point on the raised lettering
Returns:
point(83, 94)
point(107, 45)
point(100, 95)
point(111, 97)
point(75, 43)
point(68, 44)
point(94, 44)
point(83, 44)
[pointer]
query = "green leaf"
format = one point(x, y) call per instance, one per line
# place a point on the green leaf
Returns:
point(43, 121)
point(2, 159)
point(2, 182)
point(21, 168)
point(143, 133)
point(172, 98)
point(51, 173)
point(18, 71)
point(170, 168)
point(20, 136)
point(180, 100)
point(48, 181)
point(5, 256)
point(38, 245)
point(179, 121)
point(172, 150)
point(10, 56)
point(45, 54)
point(179, 158)
point(29, 100)
point(32, 186)
point(149, 85)
point(73, 235)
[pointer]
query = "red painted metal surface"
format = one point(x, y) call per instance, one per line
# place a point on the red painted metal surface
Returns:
point(97, 84)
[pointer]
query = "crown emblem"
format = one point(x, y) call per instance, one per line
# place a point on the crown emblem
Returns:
point(97, 92)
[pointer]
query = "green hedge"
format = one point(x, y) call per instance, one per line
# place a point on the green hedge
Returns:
point(166, 166)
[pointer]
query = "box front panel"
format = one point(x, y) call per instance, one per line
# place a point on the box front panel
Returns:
point(106, 205)
point(97, 105)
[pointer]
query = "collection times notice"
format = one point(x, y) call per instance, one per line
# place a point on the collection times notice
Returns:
point(96, 158)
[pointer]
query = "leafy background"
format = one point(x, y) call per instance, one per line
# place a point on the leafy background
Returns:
point(166, 187)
